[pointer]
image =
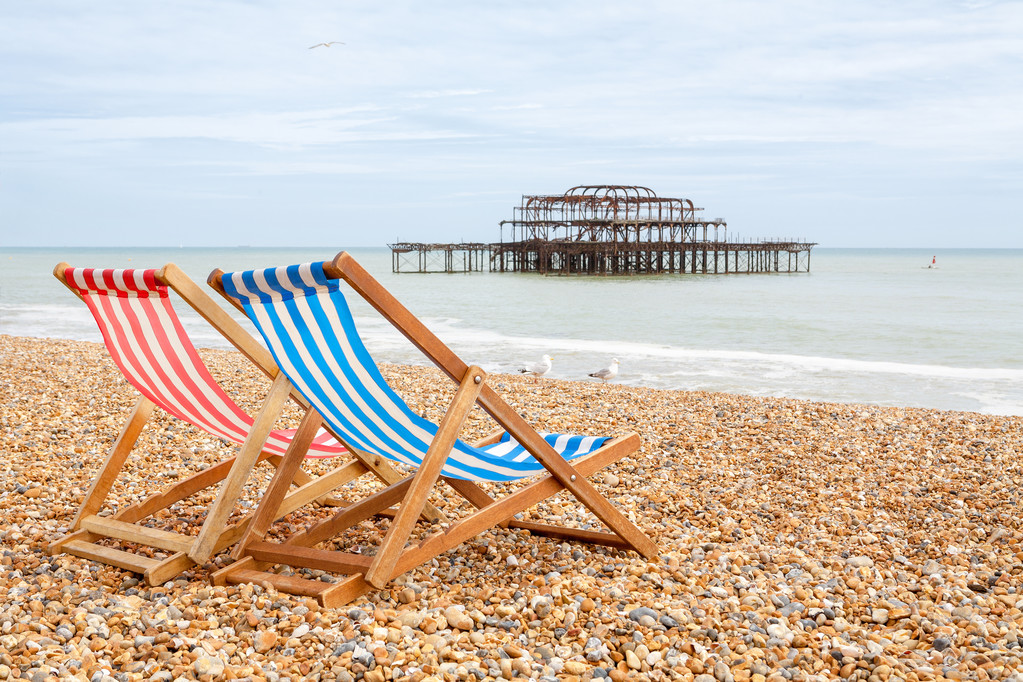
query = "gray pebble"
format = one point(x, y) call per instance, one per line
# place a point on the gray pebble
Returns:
point(641, 611)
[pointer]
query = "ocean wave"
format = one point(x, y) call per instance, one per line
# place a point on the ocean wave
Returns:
point(742, 371)
point(449, 331)
point(75, 322)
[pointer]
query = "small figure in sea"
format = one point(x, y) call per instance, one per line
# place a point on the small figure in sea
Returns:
point(333, 42)
point(608, 373)
point(538, 369)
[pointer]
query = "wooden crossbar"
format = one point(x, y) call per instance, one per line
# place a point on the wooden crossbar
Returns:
point(109, 555)
point(290, 584)
point(309, 557)
point(575, 534)
point(329, 595)
point(133, 532)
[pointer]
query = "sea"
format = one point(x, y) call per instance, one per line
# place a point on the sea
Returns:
point(895, 327)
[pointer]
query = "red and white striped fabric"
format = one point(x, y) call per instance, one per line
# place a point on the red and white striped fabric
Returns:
point(149, 345)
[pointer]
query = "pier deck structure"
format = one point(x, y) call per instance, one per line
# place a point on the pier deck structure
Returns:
point(422, 257)
point(609, 230)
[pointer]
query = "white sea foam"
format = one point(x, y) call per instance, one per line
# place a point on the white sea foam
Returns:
point(49, 320)
point(455, 334)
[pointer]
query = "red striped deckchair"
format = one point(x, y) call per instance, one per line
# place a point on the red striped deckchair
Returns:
point(148, 343)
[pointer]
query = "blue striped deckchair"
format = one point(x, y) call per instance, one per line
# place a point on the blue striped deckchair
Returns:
point(303, 315)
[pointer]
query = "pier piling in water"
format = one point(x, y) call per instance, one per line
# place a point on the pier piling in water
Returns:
point(608, 230)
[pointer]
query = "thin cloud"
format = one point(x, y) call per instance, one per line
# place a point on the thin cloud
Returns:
point(286, 130)
point(435, 94)
point(516, 107)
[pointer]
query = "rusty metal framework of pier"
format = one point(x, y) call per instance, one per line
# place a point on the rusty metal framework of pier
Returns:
point(420, 257)
point(608, 230)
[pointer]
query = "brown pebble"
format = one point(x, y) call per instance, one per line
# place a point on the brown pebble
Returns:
point(265, 640)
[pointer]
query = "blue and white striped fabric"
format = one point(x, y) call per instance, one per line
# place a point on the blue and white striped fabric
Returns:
point(306, 322)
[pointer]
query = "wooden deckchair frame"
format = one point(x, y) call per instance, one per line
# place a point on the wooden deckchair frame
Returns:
point(216, 534)
point(394, 556)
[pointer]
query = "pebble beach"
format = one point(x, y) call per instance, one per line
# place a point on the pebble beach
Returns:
point(799, 541)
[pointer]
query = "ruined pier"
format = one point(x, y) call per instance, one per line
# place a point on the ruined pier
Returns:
point(608, 230)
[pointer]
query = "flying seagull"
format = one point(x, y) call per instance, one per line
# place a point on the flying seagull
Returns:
point(333, 42)
point(540, 368)
point(608, 373)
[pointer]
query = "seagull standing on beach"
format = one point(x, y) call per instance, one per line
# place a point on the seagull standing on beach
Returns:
point(608, 373)
point(540, 368)
point(333, 42)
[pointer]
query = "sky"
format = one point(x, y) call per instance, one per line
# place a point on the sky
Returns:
point(849, 124)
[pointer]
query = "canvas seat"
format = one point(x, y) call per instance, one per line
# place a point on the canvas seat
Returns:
point(303, 315)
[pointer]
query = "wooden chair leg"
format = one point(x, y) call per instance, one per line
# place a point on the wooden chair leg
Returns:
point(266, 512)
point(381, 569)
point(250, 452)
point(108, 473)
